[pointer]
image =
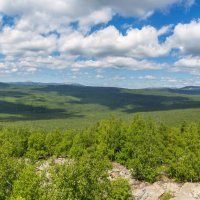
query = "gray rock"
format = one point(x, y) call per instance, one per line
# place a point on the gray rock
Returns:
point(145, 191)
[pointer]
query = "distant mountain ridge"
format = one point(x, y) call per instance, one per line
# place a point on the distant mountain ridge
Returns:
point(41, 83)
point(191, 88)
point(186, 88)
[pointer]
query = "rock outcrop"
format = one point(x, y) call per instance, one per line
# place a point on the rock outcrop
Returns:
point(156, 191)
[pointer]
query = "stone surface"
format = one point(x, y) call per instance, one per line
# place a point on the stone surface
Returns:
point(146, 191)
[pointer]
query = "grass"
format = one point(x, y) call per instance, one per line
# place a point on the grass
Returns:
point(166, 196)
point(64, 106)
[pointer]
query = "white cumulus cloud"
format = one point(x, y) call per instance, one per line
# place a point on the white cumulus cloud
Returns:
point(119, 62)
point(44, 27)
point(110, 42)
point(186, 38)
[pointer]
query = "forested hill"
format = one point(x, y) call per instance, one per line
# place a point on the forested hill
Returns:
point(69, 105)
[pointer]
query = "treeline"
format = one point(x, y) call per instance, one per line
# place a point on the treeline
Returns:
point(148, 149)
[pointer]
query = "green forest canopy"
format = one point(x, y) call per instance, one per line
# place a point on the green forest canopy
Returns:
point(147, 148)
point(69, 106)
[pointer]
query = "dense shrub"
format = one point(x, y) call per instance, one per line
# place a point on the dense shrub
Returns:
point(147, 148)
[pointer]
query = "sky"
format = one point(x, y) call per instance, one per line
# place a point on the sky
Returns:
point(129, 43)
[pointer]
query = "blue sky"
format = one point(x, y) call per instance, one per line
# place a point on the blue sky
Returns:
point(130, 43)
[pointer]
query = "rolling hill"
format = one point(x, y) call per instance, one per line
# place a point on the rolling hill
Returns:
point(77, 106)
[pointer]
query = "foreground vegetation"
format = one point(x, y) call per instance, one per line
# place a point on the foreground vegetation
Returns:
point(69, 106)
point(149, 149)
